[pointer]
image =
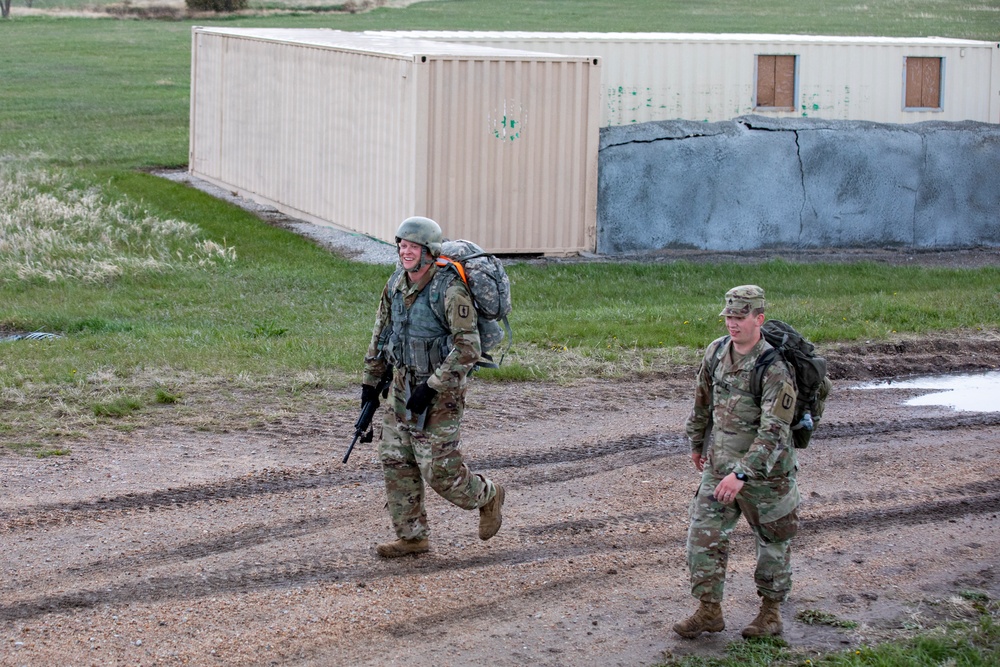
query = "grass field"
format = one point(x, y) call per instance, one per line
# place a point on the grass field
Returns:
point(903, 18)
point(97, 100)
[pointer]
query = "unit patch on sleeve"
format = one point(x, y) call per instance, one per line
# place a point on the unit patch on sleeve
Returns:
point(784, 404)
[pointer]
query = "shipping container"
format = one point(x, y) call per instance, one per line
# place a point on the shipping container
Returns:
point(361, 131)
point(715, 77)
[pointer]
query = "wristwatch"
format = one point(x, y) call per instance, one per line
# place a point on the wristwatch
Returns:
point(742, 476)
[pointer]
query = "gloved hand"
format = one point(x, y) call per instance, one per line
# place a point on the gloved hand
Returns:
point(420, 398)
point(368, 393)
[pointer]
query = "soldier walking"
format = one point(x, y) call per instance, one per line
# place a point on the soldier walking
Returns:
point(748, 469)
point(426, 329)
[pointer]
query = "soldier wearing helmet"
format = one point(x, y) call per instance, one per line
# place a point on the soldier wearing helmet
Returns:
point(431, 359)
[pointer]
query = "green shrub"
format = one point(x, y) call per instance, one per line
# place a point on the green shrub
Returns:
point(216, 5)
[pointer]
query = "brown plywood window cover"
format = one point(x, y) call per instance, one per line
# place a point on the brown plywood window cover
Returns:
point(923, 83)
point(776, 82)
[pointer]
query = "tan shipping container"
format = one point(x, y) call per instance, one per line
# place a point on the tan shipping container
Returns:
point(361, 131)
point(715, 77)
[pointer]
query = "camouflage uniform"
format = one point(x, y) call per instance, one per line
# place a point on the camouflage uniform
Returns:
point(411, 455)
point(754, 441)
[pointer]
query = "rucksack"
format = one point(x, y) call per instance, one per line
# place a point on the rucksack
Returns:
point(490, 288)
point(811, 382)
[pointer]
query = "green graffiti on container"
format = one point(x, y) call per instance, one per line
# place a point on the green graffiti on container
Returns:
point(507, 123)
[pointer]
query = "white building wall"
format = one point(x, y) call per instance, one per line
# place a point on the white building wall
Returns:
point(710, 77)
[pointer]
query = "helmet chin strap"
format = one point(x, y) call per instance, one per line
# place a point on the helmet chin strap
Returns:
point(425, 260)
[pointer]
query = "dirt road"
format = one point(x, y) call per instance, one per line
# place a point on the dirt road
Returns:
point(170, 545)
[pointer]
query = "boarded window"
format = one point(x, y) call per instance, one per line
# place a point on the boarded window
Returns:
point(923, 83)
point(776, 82)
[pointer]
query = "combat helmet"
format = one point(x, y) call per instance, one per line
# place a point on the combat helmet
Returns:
point(421, 230)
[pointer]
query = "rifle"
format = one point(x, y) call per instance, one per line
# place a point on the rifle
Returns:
point(363, 426)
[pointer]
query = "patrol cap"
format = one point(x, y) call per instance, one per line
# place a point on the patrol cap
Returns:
point(743, 300)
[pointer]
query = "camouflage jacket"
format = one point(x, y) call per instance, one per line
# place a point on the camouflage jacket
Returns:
point(462, 349)
point(745, 438)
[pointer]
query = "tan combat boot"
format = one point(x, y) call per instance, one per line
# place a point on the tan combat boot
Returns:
point(403, 548)
point(489, 515)
point(708, 618)
point(768, 621)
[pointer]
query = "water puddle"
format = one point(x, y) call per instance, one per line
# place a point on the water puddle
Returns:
point(966, 393)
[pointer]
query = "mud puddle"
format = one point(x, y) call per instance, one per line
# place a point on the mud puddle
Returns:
point(976, 392)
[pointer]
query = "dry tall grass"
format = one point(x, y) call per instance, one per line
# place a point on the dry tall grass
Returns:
point(51, 231)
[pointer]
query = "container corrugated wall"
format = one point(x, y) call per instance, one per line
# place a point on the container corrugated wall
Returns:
point(535, 161)
point(361, 132)
point(667, 76)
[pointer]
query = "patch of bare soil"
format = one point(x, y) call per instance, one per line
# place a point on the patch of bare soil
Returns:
point(171, 545)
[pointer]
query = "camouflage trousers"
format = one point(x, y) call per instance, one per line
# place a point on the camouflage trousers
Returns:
point(712, 524)
point(411, 456)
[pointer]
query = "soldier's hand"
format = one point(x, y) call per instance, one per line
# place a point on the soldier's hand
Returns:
point(368, 393)
point(699, 461)
point(728, 489)
point(420, 398)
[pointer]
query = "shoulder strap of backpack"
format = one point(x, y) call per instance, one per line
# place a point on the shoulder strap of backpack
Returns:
point(764, 361)
point(713, 358)
point(444, 260)
point(436, 289)
point(756, 376)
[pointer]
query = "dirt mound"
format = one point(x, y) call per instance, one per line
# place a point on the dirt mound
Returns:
point(958, 352)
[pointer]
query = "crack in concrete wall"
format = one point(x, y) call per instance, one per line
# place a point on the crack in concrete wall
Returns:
point(757, 182)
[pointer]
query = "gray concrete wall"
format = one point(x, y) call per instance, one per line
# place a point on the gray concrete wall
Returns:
point(757, 182)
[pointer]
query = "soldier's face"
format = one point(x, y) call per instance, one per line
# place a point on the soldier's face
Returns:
point(744, 330)
point(410, 254)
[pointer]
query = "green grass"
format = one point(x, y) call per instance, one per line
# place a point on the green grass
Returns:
point(631, 305)
point(817, 617)
point(96, 92)
point(971, 641)
point(284, 316)
point(101, 99)
point(115, 93)
point(121, 406)
point(282, 304)
point(36, 449)
point(905, 18)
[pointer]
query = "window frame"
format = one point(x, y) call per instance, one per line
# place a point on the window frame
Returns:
point(940, 83)
point(757, 81)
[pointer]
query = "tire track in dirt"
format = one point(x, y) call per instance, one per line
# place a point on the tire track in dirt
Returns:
point(533, 467)
point(267, 482)
point(907, 425)
point(977, 499)
point(241, 578)
point(288, 480)
point(223, 544)
point(561, 545)
point(342, 567)
point(911, 513)
point(984, 501)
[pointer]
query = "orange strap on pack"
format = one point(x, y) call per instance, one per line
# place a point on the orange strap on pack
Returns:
point(444, 260)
